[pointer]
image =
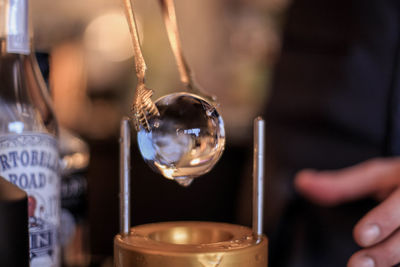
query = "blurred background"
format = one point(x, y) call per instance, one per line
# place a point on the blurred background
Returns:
point(231, 46)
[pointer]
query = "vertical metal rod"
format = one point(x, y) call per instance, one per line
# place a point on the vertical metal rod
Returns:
point(258, 176)
point(124, 176)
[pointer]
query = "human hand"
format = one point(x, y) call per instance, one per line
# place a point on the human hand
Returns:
point(378, 231)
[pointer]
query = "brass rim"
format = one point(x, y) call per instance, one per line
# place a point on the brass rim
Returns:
point(187, 237)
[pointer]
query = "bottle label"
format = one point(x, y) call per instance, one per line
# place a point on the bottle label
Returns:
point(30, 161)
point(17, 27)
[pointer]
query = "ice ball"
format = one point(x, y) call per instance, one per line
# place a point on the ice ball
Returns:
point(186, 140)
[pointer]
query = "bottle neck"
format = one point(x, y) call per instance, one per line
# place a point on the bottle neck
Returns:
point(23, 96)
point(14, 27)
point(13, 47)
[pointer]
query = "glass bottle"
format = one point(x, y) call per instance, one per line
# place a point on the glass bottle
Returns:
point(75, 155)
point(28, 146)
point(74, 162)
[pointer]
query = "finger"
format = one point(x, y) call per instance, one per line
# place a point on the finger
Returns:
point(380, 222)
point(335, 187)
point(384, 254)
point(382, 194)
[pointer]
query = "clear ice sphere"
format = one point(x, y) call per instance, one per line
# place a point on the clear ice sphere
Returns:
point(186, 140)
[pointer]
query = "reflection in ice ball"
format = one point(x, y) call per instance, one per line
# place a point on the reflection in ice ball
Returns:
point(186, 140)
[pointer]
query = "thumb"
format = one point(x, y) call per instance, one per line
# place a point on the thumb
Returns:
point(335, 187)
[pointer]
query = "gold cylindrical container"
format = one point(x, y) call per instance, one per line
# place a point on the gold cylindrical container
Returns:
point(190, 244)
